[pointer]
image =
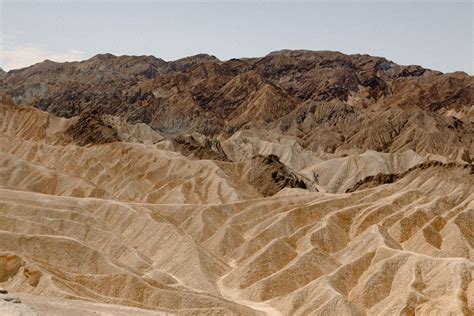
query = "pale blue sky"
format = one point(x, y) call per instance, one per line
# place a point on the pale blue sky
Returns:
point(434, 34)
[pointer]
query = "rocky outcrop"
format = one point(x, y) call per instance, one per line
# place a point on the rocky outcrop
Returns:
point(11, 305)
point(199, 148)
point(89, 128)
point(268, 175)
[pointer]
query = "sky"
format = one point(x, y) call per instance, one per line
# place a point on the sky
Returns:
point(435, 34)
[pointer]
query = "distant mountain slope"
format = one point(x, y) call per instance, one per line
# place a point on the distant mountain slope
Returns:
point(333, 102)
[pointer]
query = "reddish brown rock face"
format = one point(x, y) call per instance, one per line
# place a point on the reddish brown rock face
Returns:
point(207, 95)
point(89, 128)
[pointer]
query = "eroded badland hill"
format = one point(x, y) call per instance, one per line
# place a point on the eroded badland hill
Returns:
point(299, 183)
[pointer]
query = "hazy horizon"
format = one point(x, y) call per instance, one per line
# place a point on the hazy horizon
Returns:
point(436, 35)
